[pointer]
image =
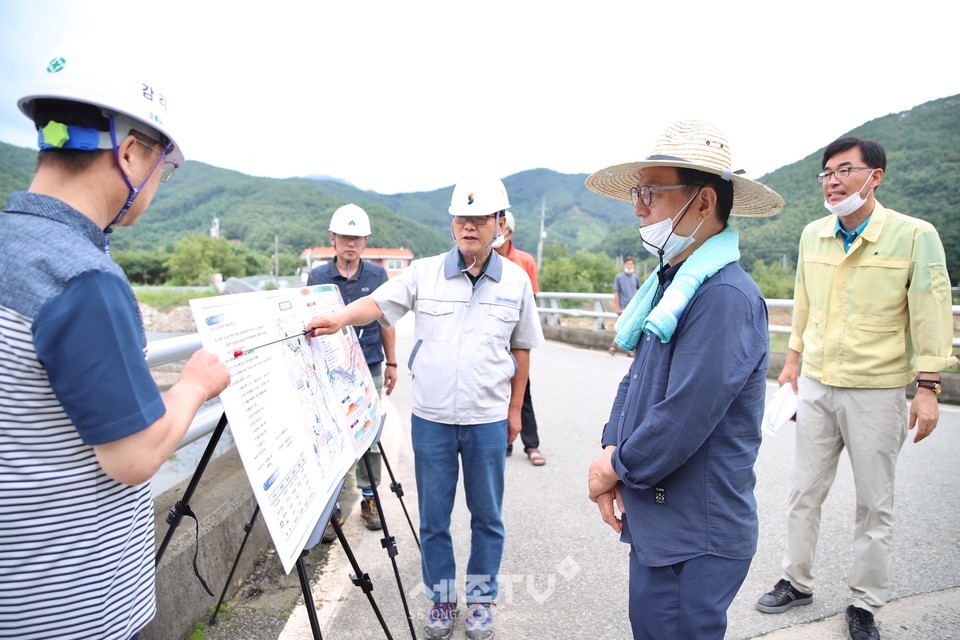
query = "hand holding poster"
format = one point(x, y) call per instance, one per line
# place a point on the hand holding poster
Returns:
point(301, 410)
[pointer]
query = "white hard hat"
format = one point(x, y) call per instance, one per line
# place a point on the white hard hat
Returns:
point(350, 220)
point(479, 196)
point(98, 74)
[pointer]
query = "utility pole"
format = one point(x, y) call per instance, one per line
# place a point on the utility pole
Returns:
point(543, 234)
point(276, 258)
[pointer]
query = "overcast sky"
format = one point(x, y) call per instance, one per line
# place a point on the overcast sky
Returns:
point(407, 96)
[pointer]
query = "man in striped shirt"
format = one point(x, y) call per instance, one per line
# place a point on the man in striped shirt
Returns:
point(83, 426)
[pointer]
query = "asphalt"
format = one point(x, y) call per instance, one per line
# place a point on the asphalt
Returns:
point(564, 573)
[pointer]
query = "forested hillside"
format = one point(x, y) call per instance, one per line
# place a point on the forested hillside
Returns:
point(923, 147)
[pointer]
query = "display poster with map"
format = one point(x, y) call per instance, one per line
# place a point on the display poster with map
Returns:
point(301, 410)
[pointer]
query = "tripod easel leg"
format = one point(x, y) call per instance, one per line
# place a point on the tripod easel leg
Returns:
point(389, 543)
point(360, 578)
point(308, 598)
point(397, 488)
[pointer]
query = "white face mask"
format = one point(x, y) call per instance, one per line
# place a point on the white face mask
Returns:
point(659, 236)
point(628, 270)
point(851, 203)
point(499, 241)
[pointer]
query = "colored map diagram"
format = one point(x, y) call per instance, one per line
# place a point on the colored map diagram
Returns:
point(301, 411)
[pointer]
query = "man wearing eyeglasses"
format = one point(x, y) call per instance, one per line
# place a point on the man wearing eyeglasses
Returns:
point(872, 314)
point(683, 433)
point(83, 426)
point(476, 321)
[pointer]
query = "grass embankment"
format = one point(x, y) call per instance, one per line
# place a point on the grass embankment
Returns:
point(163, 299)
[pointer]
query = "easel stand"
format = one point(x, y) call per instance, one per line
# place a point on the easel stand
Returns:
point(182, 508)
point(388, 542)
point(397, 488)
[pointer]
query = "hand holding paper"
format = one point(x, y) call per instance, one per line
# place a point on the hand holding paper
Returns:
point(781, 409)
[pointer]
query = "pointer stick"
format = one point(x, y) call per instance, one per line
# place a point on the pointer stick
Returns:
point(240, 352)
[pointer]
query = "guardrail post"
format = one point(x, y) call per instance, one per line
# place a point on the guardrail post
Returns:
point(598, 321)
point(555, 318)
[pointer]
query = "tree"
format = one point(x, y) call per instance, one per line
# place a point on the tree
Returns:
point(196, 258)
point(582, 272)
point(143, 267)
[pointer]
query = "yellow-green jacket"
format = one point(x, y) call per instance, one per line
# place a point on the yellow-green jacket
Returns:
point(874, 316)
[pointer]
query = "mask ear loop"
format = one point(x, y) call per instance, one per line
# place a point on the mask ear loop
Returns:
point(496, 234)
point(661, 276)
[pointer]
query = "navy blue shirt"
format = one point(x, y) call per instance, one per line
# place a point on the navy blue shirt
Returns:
point(368, 277)
point(686, 424)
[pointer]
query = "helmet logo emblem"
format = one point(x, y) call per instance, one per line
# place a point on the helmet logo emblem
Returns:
point(56, 65)
point(470, 199)
point(352, 223)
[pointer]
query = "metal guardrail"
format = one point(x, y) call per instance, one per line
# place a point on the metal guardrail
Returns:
point(550, 309)
point(168, 350)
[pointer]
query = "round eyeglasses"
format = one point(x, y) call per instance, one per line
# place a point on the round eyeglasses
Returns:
point(842, 173)
point(644, 193)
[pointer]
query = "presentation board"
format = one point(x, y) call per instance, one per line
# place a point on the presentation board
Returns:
point(301, 410)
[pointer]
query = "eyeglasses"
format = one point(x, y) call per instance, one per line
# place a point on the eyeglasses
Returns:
point(351, 239)
point(169, 166)
point(644, 193)
point(842, 173)
point(476, 220)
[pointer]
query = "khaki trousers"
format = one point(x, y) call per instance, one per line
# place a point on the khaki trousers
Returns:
point(872, 425)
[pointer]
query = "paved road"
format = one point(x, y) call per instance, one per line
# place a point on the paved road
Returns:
point(564, 573)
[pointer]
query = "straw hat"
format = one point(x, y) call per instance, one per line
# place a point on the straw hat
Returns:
point(695, 145)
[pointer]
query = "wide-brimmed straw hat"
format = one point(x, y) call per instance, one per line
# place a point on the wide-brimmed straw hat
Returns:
point(695, 145)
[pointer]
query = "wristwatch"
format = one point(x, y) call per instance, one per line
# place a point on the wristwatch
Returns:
point(933, 385)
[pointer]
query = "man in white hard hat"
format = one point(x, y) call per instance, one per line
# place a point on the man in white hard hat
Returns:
point(476, 322)
point(684, 431)
point(528, 430)
point(355, 278)
point(83, 427)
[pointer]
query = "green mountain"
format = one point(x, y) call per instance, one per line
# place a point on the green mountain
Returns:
point(923, 158)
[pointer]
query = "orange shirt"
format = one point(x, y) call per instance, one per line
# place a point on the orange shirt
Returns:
point(526, 261)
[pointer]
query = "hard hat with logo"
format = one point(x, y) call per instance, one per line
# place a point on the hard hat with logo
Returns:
point(350, 220)
point(120, 85)
point(479, 196)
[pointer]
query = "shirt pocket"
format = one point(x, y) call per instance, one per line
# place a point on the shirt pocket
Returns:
point(874, 345)
point(434, 320)
point(500, 322)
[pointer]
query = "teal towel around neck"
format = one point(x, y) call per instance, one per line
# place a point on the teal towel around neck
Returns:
point(641, 316)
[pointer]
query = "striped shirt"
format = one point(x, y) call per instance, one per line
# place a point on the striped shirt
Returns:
point(76, 546)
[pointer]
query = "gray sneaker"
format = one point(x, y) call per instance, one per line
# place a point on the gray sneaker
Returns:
point(440, 620)
point(479, 621)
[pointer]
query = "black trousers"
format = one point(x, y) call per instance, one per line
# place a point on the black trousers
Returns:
point(528, 422)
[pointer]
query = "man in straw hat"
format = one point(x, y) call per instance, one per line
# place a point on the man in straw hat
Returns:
point(683, 435)
point(871, 315)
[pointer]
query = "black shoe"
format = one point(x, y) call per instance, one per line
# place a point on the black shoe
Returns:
point(329, 534)
point(860, 624)
point(782, 597)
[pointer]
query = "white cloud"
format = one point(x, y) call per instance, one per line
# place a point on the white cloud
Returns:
point(407, 96)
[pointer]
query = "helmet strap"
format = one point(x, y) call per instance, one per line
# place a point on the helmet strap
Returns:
point(134, 190)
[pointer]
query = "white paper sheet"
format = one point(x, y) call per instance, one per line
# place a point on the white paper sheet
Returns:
point(780, 410)
point(301, 411)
